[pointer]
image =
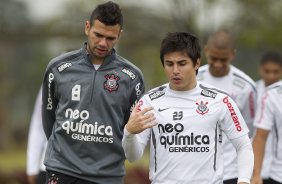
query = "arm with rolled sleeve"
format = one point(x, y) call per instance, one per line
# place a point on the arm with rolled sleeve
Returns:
point(259, 149)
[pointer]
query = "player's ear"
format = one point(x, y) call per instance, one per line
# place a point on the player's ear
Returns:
point(87, 28)
point(198, 64)
point(120, 33)
point(206, 49)
point(233, 53)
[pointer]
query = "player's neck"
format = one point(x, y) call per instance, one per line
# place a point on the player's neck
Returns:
point(97, 61)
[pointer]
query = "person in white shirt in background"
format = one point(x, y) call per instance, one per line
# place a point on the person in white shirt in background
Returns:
point(36, 146)
point(270, 70)
point(184, 120)
point(269, 118)
point(219, 72)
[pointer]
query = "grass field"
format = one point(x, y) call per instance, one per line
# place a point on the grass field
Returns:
point(13, 159)
point(13, 166)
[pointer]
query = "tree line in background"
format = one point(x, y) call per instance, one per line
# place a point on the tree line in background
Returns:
point(27, 46)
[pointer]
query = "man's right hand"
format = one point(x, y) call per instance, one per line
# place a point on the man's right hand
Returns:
point(139, 121)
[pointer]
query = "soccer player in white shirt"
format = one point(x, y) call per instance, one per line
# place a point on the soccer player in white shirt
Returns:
point(270, 70)
point(36, 146)
point(184, 120)
point(219, 52)
point(268, 117)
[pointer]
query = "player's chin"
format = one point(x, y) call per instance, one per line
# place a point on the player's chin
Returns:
point(175, 85)
point(101, 52)
point(218, 73)
point(101, 56)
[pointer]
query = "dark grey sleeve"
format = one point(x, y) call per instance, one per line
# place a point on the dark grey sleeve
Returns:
point(137, 89)
point(48, 102)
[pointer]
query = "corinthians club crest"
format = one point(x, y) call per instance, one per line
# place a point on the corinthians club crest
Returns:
point(111, 83)
point(202, 107)
point(53, 180)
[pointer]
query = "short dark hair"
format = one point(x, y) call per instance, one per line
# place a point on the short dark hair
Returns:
point(108, 13)
point(221, 40)
point(181, 41)
point(271, 56)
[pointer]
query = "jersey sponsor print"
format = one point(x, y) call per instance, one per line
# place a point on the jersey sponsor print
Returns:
point(86, 131)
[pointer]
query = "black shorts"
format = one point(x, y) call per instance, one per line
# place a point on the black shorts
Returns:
point(41, 177)
point(60, 178)
point(271, 181)
point(231, 181)
point(265, 181)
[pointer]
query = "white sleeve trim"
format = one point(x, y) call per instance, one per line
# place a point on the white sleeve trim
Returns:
point(262, 126)
point(132, 147)
point(245, 158)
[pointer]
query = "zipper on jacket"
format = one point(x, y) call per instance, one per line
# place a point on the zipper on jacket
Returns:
point(92, 88)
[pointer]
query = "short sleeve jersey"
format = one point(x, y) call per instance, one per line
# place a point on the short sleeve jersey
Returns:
point(260, 86)
point(185, 145)
point(268, 117)
point(266, 166)
point(242, 90)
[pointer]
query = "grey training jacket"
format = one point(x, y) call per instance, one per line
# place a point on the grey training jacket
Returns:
point(84, 112)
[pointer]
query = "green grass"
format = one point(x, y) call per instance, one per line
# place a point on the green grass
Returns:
point(13, 159)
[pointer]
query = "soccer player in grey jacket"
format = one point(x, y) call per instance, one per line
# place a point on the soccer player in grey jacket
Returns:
point(87, 98)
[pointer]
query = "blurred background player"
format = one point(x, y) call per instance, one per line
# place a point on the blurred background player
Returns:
point(220, 51)
point(269, 118)
point(270, 70)
point(36, 146)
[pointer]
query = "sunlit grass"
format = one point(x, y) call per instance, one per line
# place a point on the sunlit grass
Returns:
point(13, 159)
point(13, 166)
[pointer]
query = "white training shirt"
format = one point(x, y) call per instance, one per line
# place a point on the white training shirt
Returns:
point(242, 90)
point(260, 86)
point(185, 146)
point(268, 117)
point(37, 141)
point(266, 165)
